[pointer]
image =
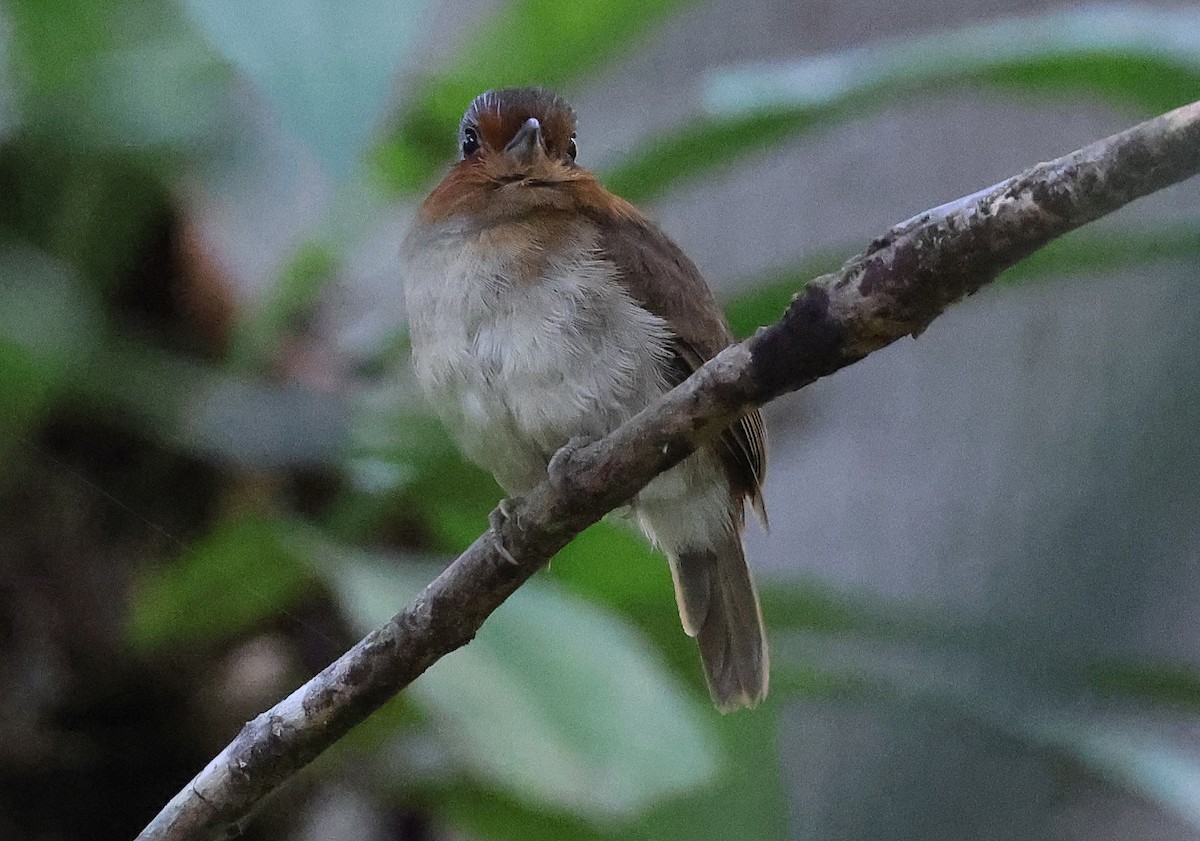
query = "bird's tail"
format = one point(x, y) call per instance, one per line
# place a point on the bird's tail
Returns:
point(719, 607)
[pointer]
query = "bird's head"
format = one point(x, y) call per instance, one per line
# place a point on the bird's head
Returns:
point(519, 134)
point(516, 157)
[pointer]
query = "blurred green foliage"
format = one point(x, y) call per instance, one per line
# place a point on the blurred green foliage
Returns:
point(1142, 58)
point(523, 42)
point(557, 701)
point(326, 71)
point(47, 324)
point(243, 570)
point(578, 713)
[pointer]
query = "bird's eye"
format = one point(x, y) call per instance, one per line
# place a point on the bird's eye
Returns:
point(572, 149)
point(470, 144)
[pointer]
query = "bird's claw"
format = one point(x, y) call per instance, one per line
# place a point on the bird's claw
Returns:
point(558, 468)
point(504, 512)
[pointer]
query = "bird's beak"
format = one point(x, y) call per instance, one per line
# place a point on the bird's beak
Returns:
point(528, 142)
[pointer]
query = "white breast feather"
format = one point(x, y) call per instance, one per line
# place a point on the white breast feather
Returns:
point(516, 369)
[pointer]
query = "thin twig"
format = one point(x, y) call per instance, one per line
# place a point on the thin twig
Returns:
point(893, 289)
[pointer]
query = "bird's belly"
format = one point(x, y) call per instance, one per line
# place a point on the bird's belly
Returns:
point(516, 369)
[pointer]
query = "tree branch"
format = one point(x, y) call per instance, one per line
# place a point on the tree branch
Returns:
point(893, 289)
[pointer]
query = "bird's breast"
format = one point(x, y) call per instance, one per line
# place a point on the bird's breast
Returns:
point(522, 345)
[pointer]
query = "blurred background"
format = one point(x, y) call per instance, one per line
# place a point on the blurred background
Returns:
point(981, 583)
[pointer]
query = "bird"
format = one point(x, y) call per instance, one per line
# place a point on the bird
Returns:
point(545, 310)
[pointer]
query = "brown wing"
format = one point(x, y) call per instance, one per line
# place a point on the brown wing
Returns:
point(659, 276)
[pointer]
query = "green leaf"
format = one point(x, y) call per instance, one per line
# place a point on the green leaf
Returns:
point(324, 65)
point(490, 815)
point(767, 295)
point(712, 143)
point(1174, 685)
point(998, 694)
point(1126, 754)
point(48, 324)
point(1089, 251)
point(115, 73)
point(1135, 56)
point(9, 117)
point(400, 459)
point(559, 41)
point(1096, 250)
point(613, 563)
point(747, 800)
point(1141, 56)
point(55, 39)
point(169, 92)
point(198, 408)
point(291, 300)
point(1129, 756)
point(556, 701)
point(811, 606)
point(98, 212)
point(246, 569)
point(525, 42)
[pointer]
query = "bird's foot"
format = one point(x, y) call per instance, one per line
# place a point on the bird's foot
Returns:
point(504, 513)
point(559, 468)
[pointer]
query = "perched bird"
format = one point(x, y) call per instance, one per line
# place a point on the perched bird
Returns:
point(544, 309)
